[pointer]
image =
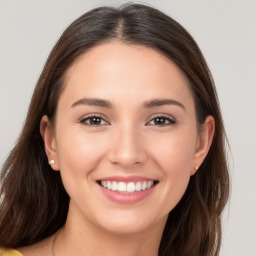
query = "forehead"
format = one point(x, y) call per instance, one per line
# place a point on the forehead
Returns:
point(115, 68)
point(104, 57)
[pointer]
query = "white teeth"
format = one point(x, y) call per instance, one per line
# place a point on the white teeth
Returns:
point(138, 186)
point(109, 185)
point(121, 187)
point(150, 184)
point(104, 184)
point(144, 185)
point(129, 187)
point(114, 186)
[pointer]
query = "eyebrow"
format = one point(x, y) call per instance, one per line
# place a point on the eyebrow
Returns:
point(93, 102)
point(107, 104)
point(162, 102)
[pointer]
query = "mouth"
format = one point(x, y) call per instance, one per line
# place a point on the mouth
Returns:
point(127, 187)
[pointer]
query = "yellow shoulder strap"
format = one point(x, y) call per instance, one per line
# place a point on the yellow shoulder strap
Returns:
point(9, 253)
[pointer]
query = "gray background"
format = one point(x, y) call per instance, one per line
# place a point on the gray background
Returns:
point(225, 31)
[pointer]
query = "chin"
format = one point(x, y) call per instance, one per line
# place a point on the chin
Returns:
point(129, 222)
point(128, 228)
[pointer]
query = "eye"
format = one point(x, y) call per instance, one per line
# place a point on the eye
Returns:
point(93, 121)
point(161, 121)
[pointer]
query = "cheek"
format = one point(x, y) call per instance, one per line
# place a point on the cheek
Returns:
point(78, 152)
point(174, 157)
point(176, 164)
point(78, 155)
point(174, 152)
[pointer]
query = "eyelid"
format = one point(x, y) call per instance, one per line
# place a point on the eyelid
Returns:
point(171, 119)
point(92, 115)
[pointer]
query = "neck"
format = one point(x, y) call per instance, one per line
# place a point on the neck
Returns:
point(86, 239)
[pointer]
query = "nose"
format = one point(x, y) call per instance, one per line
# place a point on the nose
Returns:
point(127, 148)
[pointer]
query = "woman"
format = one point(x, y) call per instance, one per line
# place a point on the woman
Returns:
point(123, 149)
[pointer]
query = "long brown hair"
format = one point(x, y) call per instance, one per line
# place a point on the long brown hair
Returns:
point(34, 203)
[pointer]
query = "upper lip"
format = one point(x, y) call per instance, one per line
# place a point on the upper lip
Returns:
point(126, 178)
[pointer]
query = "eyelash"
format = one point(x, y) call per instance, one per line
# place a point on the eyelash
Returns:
point(90, 118)
point(170, 121)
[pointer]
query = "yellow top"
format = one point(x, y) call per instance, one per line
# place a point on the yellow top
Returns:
point(10, 253)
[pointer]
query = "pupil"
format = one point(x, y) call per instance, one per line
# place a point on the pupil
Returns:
point(95, 120)
point(160, 120)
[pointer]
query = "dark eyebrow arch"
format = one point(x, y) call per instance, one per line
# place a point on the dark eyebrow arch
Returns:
point(162, 102)
point(93, 102)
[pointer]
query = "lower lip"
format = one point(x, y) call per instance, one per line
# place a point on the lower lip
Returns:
point(127, 198)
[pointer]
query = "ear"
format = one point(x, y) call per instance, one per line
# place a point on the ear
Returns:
point(47, 132)
point(204, 141)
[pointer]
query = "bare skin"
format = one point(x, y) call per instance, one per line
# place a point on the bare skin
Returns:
point(125, 133)
point(42, 248)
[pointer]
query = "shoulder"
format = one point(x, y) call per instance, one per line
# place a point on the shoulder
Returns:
point(9, 252)
point(41, 248)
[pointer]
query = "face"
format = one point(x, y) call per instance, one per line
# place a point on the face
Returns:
point(125, 137)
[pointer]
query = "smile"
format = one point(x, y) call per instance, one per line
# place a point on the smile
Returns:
point(127, 190)
point(129, 187)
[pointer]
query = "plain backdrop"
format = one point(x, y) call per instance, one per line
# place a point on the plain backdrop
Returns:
point(226, 33)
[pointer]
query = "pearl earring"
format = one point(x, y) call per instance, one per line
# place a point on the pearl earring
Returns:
point(51, 162)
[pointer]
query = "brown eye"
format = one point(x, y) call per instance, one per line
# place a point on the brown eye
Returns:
point(93, 121)
point(161, 121)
